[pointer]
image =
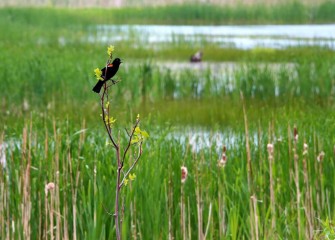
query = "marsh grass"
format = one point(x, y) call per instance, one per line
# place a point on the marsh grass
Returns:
point(52, 137)
point(58, 83)
point(78, 163)
point(285, 12)
point(50, 66)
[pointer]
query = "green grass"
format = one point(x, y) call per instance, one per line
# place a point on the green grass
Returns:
point(58, 80)
point(59, 151)
point(46, 29)
point(57, 76)
point(214, 53)
point(288, 12)
point(60, 137)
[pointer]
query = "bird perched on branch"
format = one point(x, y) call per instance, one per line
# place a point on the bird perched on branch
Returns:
point(112, 69)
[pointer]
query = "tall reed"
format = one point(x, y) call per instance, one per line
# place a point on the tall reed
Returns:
point(63, 202)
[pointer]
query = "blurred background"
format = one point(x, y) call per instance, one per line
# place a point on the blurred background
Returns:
point(129, 3)
point(204, 76)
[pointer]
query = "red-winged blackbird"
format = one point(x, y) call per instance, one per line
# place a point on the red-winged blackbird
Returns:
point(112, 68)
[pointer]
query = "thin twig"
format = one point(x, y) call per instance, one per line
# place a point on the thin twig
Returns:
point(127, 132)
point(113, 83)
point(133, 165)
point(103, 119)
point(130, 138)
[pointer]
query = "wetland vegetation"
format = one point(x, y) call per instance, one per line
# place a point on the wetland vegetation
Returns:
point(269, 112)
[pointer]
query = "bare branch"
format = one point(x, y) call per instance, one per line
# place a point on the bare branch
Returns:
point(113, 83)
point(105, 92)
point(127, 132)
point(133, 165)
point(130, 138)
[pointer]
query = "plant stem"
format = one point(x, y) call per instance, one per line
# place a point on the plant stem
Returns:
point(296, 178)
point(117, 195)
point(252, 202)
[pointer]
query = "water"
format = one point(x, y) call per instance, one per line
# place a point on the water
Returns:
point(241, 37)
point(3, 161)
point(198, 139)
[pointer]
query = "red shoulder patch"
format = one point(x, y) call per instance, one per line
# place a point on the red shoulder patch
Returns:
point(110, 65)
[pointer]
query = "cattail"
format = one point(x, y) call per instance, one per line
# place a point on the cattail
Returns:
point(320, 156)
point(295, 134)
point(270, 148)
point(25, 105)
point(49, 186)
point(183, 174)
point(222, 162)
point(305, 151)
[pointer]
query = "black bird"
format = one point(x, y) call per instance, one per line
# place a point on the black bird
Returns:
point(112, 68)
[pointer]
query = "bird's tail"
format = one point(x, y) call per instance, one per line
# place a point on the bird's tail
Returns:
point(98, 86)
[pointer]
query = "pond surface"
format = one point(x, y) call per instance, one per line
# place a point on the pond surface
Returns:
point(242, 37)
point(198, 139)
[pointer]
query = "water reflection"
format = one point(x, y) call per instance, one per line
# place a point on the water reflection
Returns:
point(199, 139)
point(242, 37)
